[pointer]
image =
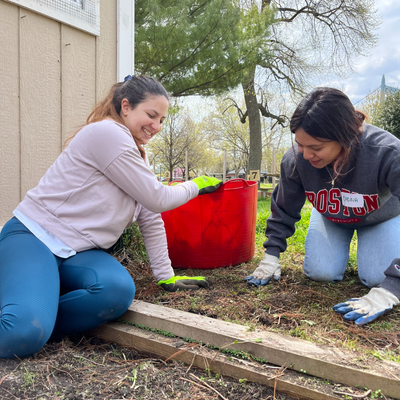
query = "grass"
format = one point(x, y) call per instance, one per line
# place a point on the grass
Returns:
point(294, 306)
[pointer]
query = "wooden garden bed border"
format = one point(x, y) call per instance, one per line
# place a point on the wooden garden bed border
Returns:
point(326, 362)
point(211, 360)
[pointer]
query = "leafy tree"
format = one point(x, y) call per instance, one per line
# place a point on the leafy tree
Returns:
point(325, 36)
point(196, 147)
point(227, 133)
point(210, 46)
point(178, 137)
point(198, 47)
point(278, 142)
point(371, 105)
point(388, 117)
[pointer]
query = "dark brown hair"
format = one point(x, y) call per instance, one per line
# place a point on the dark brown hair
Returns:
point(136, 89)
point(328, 114)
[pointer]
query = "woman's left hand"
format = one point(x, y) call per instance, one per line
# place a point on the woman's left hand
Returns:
point(184, 283)
point(369, 307)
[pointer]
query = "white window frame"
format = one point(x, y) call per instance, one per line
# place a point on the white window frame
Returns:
point(125, 38)
point(68, 19)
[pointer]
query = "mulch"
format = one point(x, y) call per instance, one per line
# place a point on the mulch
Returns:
point(79, 368)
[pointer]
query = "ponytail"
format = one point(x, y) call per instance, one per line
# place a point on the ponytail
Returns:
point(135, 89)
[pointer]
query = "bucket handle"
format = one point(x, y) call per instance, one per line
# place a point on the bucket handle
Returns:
point(245, 183)
point(176, 181)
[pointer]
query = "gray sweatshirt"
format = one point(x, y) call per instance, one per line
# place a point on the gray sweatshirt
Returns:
point(97, 187)
point(373, 171)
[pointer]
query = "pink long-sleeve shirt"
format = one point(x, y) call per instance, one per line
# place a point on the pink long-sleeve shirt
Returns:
point(97, 187)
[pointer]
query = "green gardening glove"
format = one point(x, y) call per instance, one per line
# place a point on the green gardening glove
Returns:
point(207, 184)
point(184, 283)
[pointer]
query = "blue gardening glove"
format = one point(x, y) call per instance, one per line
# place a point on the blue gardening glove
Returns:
point(268, 268)
point(184, 283)
point(369, 307)
point(207, 184)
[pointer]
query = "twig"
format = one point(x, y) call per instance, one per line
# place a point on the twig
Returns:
point(391, 373)
point(355, 396)
point(190, 366)
point(15, 397)
point(60, 370)
point(193, 383)
point(86, 359)
point(277, 376)
point(189, 346)
point(2, 379)
point(210, 387)
point(281, 371)
point(207, 365)
point(121, 380)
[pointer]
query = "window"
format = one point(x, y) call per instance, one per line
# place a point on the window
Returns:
point(81, 14)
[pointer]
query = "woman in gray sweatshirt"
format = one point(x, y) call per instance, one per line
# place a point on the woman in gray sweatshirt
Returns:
point(350, 172)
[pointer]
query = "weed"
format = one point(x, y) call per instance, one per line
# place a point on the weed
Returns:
point(159, 331)
point(377, 394)
point(298, 332)
point(28, 379)
point(131, 246)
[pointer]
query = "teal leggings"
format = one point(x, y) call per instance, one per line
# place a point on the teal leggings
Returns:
point(43, 295)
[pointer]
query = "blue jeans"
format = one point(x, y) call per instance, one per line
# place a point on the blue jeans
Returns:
point(42, 294)
point(327, 249)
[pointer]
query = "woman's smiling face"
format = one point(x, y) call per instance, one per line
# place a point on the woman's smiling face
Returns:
point(318, 152)
point(145, 120)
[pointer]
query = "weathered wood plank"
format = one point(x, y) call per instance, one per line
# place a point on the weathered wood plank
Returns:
point(322, 361)
point(168, 348)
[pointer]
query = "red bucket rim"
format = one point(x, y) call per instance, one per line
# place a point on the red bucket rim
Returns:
point(223, 187)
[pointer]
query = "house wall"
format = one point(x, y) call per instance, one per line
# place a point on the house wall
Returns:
point(51, 75)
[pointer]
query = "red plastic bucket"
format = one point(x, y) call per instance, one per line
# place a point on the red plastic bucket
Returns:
point(214, 230)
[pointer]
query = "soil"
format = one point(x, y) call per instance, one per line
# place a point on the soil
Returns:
point(79, 368)
point(294, 306)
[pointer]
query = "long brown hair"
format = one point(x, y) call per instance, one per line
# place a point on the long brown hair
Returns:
point(136, 89)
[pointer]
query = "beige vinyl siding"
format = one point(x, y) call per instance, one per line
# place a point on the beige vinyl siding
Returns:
point(40, 104)
point(78, 71)
point(51, 75)
point(10, 178)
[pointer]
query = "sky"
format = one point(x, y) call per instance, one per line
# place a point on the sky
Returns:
point(384, 59)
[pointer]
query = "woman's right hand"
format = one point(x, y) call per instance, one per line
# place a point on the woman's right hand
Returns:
point(207, 184)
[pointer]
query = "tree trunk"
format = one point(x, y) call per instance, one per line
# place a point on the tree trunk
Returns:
point(253, 112)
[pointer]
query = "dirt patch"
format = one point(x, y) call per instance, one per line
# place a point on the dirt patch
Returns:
point(87, 368)
point(80, 368)
point(294, 306)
